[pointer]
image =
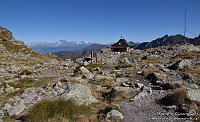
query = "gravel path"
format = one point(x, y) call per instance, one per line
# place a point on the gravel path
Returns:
point(146, 109)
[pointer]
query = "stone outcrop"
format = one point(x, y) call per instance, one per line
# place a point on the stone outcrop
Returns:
point(80, 94)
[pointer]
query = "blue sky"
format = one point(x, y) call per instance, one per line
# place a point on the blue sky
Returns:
point(101, 21)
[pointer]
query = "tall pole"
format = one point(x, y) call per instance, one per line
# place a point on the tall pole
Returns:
point(185, 21)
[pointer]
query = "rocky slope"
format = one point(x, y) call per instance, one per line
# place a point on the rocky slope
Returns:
point(144, 85)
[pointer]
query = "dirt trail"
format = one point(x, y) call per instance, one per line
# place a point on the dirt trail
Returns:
point(146, 109)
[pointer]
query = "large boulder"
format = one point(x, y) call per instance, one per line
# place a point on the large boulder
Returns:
point(80, 94)
point(181, 64)
point(16, 110)
point(194, 94)
point(184, 64)
point(125, 62)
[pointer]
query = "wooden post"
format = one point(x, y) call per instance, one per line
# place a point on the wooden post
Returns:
point(96, 57)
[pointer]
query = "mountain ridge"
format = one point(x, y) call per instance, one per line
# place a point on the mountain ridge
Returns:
point(168, 40)
point(79, 53)
point(61, 45)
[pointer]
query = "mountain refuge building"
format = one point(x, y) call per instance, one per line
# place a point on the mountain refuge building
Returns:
point(121, 46)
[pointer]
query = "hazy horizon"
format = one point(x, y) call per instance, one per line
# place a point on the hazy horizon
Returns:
point(98, 21)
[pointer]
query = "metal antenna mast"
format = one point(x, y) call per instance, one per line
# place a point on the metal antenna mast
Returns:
point(185, 28)
point(185, 21)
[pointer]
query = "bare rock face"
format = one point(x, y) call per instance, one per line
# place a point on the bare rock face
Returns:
point(5, 35)
point(80, 94)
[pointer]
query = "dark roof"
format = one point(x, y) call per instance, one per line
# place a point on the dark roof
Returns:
point(121, 43)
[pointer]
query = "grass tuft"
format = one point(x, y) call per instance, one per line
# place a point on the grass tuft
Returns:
point(179, 97)
point(56, 110)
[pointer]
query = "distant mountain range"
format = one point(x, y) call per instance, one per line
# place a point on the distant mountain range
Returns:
point(62, 45)
point(73, 50)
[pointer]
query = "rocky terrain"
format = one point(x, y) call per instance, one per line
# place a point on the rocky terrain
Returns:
point(155, 84)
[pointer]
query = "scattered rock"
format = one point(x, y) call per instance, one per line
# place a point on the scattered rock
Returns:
point(9, 89)
point(86, 63)
point(139, 85)
point(97, 69)
point(140, 73)
point(100, 88)
point(144, 57)
point(141, 95)
point(125, 85)
point(7, 106)
point(86, 72)
point(114, 113)
point(172, 107)
point(99, 77)
point(57, 85)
